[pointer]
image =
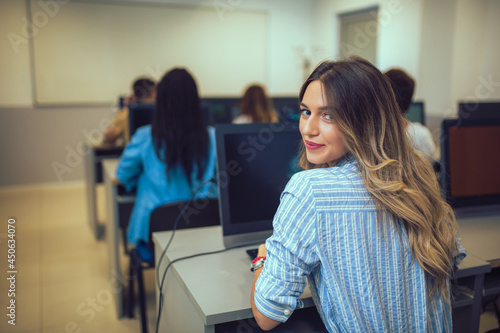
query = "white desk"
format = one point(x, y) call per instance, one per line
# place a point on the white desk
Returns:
point(481, 236)
point(202, 294)
point(114, 203)
point(93, 175)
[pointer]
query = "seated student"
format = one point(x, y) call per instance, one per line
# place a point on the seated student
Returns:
point(171, 158)
point(144, 91)
point(365, 223)
point(403, 86)
point(256, 107)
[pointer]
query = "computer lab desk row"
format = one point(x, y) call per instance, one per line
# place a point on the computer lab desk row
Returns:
point(211, 293)
point(93, 165)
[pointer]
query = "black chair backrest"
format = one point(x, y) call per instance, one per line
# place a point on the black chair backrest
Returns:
point(200, 213)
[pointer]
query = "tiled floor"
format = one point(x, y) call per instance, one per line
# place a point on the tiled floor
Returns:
point(62, 281)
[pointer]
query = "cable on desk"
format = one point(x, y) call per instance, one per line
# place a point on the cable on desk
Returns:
point(177, 221)
point(160, 302)
point(160, 286)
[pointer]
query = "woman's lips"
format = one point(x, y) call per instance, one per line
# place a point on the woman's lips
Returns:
point(312, 145)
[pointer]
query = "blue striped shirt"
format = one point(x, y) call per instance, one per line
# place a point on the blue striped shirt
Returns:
point(360, 272)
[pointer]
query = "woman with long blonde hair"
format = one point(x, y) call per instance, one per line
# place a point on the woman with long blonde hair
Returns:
point(365, 223)
point(256, 107)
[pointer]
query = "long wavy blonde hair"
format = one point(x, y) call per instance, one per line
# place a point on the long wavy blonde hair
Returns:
point(400, 180)
point(257, 104)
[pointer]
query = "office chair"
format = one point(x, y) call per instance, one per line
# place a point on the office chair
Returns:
point(491, 294)
point(162, 219)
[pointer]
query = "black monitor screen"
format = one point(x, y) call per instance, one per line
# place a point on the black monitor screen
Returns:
point(416, 113)
point(139, 115)
point(287, 108)
point(471, 158)
point(479, 110)
point(220, 110)
point(255, 162)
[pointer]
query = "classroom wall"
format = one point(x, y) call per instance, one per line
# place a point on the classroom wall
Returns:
point(448, 46)
point(46, 144)
point(398, 31)
point(451, 47)
point(15, 83)
point(434, 76)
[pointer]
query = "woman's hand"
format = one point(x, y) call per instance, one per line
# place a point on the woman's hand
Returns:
point(262, 251)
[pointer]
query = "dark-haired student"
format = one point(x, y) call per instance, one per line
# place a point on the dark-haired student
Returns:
point(171, 158)
point(256, 107)
point(403, 86)
point(365, 223)
point(144, 91)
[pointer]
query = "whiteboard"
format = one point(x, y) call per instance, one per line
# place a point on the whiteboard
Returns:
point(90, 53)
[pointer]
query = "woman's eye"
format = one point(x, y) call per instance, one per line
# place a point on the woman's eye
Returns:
point(328, 116)
point(305, 112)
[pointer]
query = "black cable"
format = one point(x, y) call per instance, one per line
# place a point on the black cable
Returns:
point(160, 301)
point(177, 221)
point(160, 287)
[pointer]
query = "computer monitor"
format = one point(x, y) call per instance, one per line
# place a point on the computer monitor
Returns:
point(470, 157)
point(220, 110)
point(255, 162)
point(416, 113)
point(139, 114)
point(287, 108)
point(478, 110)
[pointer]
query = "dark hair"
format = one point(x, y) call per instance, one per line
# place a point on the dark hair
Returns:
point(258, 105)
point(143, 88)
point(403, 86)
point(179, 131)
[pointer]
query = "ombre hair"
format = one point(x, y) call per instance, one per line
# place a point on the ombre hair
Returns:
point(400, 180)
point(256, 104)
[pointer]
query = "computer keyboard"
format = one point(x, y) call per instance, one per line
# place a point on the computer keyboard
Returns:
point(253, 253)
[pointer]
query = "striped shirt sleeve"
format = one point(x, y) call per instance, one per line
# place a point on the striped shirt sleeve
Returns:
point(291, 253)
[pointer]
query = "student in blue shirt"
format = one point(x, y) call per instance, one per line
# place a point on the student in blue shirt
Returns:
point(171, 158)
point(365, 224)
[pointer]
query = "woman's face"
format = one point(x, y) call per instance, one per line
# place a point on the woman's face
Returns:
point(323, 141)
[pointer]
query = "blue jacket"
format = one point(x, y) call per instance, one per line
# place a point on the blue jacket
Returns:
point(139, 166)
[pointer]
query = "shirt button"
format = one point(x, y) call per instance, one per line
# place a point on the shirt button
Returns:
point(287, 312)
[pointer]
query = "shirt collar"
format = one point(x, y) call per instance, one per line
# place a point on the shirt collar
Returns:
point(348, 158)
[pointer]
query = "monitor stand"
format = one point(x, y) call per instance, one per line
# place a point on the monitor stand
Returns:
point(252, 238)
